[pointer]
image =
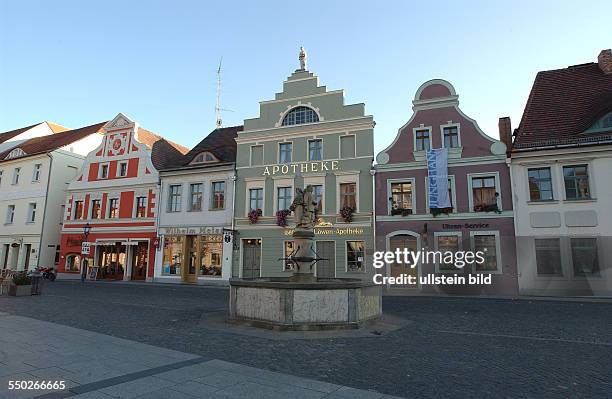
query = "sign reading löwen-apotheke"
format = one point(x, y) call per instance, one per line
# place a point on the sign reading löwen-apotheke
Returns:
point(302, 167)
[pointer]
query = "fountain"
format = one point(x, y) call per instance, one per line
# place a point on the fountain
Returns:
point(303, 301)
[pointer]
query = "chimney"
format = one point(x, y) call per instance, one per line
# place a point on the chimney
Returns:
point(605, 61)
point(505, 132)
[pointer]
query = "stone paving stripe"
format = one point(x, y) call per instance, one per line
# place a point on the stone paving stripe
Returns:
point(569, 341)
point(94, 386)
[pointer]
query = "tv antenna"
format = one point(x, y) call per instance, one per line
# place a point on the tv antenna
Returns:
point(218, 108)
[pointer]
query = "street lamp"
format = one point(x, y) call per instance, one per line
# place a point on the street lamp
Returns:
point(86, 231)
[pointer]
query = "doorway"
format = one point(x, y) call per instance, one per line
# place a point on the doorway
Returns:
point(139, 260)
point(326, 268)
point(402, 241)
point(189, 273)
point(111, 261)
point(251, 258)
point(28, 250)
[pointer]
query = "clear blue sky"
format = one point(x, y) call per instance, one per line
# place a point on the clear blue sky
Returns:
point(81, 62)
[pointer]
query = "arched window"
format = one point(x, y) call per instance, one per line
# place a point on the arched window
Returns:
point(603, 124)
point(73, 263)
point(300, 115)
point(204, 157)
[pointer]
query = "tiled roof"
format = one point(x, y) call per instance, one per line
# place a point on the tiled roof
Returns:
point(563, 103)
point(43, 144)
point(220, 142)
point(5, 136)
point(163, 151)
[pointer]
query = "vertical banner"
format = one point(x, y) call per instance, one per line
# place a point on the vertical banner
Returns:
point(437, 172)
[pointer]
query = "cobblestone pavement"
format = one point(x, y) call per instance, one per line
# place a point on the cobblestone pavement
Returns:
point(446, 347)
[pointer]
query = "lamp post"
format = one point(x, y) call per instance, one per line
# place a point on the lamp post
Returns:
point(86, 231)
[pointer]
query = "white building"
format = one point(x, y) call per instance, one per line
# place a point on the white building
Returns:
point(15, 137)
point(196, 212)
point(33, 177)
point(560, 163)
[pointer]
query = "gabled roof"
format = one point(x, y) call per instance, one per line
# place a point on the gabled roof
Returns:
point(44, 144)
point(220, 142)
point(55, 128)
point(563, 103)
point(163, 151)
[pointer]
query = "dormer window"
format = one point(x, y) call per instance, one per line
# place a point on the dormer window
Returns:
point(17, 152)
point(204, 157)
point(603, 124)
point(300, 115)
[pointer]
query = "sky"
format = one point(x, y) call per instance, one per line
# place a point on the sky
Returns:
point(77, 63)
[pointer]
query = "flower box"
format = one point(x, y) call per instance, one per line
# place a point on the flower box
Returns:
point(20, 290)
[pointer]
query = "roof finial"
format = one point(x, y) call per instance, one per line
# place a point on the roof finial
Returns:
point(303, 59)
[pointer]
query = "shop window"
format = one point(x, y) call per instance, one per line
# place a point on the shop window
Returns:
point(211, 255)
point(141, 207)
point(347, 146)
point(422, 140)
point(540, 184)
point(451, 136)
point(488, 245)
point(73, 263)
point(288, 248)
point(355, 256)
point(173, 256)
point(447, 242)
point(401, 198)
point(285, 152)
point(112, 261)
point(218, 195)
point(584, 256)
point(548, 256)
point(284, 198)
point(95, 209)
point(195, 197)
point(315, 150)
point(484, 194)
point(113, 208)
point(576, 180)
point(348, 195)
point(78, 210)
point(174, 198)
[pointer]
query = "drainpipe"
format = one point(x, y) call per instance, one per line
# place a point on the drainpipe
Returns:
point(234, 178)
point(373, 174)
point(42, 229)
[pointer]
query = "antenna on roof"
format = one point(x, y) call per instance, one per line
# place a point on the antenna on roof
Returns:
point(218, 108)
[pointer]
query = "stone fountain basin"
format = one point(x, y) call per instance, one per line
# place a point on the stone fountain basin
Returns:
point(280, 304)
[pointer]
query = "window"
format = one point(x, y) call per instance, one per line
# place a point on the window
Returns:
point(488, 246)
point(284, 152)
point(548, 256)
point(173, 256)
point(355, 256)
point(73, 263)
point(484, 196)
point(36, 172)
point(95, 209)
point(1, 171)
point(422, 140)
point(204, 157)
point(447, 243)
point(317, 193)
point(347, 146)
point(255, 198)
point(348, 195)
point(540, 184)
point(16, 172)
point(218, 195)
point(451, 137)
point(576, 179)
point(10, 214)
point(113, 208)
point(78, 210)
point(315, 150)
point(210, 253)
point(451, 191)
point(300, 115)
point(31, 212)
point(256, 155)
point(284, 198)
point(195, 197)
point(174, 198)
point(123, 169)
point(401, 197)
point(584, 256)
point(104, 171)
point(289, 247)
point(141, 207)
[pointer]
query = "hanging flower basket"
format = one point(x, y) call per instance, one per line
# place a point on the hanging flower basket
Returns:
point(254, 215)
point(281, 217)
point(347, 213)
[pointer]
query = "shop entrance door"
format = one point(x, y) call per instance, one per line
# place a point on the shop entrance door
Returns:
point(326, 268)
point(139, 261)
point(111, 261)
point(251, 258)
point(404, 241)
point(189, 272)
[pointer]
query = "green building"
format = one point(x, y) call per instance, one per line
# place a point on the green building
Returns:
point(305, 136)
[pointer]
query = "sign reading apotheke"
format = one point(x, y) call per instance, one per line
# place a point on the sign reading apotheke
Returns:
point(184, 231)
point(302, 167)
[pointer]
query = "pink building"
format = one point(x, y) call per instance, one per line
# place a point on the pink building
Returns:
point(480, 217)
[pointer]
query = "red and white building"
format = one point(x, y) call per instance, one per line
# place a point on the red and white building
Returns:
point(116, 194)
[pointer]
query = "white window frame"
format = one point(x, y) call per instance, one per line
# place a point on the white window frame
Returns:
point(553, 182)
point(365, 256)
point(278, 152)
point(591, 179)
point(414, 137)
point(169, 198)
point(284, 182)
point(31, 217)
point(251, 184)
point(453, 194)
point(410, 180)
point(498, 260)
point(190, 196)
point(119, 169)
point(135, 207)
point(36, 171)
point(451, 124)
point(102, 164)
point(347, 178)
point(340, 145)
point(10, 210)
point(263, 149)
point(459, 241)
point(308, 148)
point(471, 192)
point(16, 173)
point(317, 181)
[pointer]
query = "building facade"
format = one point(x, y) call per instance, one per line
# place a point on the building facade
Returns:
point(480, 216)
point(115, 195)
point(305, 136)
point(196, 212)
point(561, 162)
point(33, 177)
